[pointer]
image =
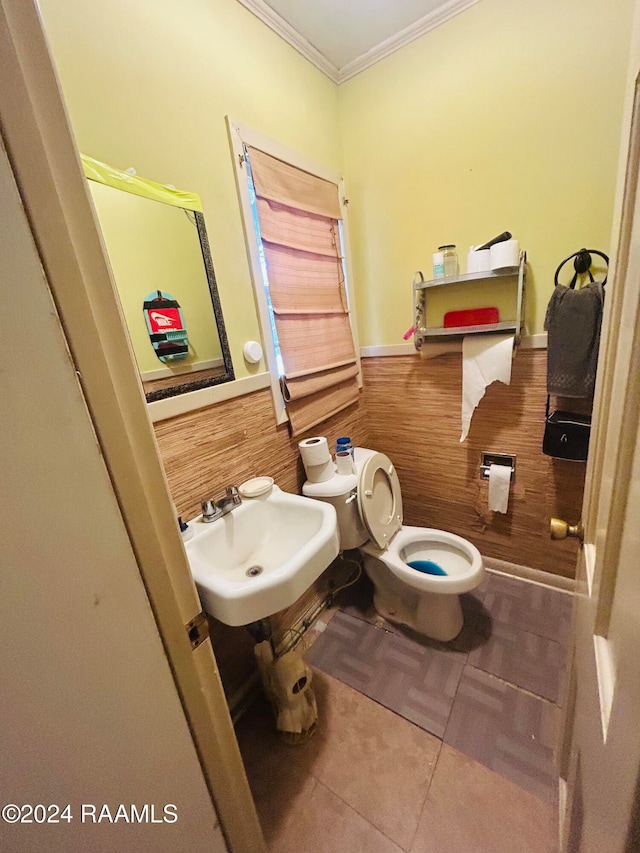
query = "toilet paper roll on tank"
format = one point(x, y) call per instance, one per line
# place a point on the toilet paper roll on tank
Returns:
point(316, 459)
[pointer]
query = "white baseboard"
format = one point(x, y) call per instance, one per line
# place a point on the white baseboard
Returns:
point(538, 341)
point(388, 349)
point(502, 567)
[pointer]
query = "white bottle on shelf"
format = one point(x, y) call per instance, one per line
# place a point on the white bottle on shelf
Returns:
point(438, 265)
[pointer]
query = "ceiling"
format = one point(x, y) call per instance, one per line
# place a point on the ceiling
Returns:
point(343, 37)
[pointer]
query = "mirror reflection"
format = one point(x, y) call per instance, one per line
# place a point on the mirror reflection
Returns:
point(157, 244)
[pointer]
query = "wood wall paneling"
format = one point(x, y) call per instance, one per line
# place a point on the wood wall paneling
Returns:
point(410, 410)
point(206, 450)
point(414, 416)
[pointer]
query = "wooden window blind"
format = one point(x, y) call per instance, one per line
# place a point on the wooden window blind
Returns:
point(299, 215)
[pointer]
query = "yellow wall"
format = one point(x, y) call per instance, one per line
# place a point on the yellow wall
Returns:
point(154, 246)
point(149, 84)
point(507, 117)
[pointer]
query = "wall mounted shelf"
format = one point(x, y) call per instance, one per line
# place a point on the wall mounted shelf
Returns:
point(421, 288)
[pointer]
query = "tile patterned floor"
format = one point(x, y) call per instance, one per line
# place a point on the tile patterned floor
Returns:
point(538, 609)
point(492, 693)
point(422, 746)
point(527, 660)
point(507, 730)
point(371, 782)
point(416, 681)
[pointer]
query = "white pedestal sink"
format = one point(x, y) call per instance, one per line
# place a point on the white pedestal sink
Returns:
point(262, 556)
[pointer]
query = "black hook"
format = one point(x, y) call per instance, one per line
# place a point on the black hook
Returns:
point(582, 264)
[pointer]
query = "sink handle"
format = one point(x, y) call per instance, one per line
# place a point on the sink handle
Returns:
point(210, 511)
point(234, 495)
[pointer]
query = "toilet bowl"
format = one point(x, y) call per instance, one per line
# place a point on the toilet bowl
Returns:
point(418, 573)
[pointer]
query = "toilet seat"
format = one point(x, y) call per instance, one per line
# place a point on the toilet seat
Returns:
point(368, 506)
point(465, 574)
point(380, 499)
point(380, 505)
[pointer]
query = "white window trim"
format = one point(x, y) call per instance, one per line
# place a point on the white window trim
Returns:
point(239, 136)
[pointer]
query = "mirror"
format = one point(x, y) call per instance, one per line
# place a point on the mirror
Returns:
point(159, 253)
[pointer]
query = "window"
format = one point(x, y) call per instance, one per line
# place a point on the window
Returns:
point(296, 245)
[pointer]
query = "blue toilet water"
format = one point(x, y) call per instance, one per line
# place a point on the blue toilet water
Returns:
point(428, 567)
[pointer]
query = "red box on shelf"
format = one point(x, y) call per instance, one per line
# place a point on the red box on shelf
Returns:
point(471, 317)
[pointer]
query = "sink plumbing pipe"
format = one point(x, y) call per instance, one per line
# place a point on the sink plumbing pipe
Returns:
point(308, 619)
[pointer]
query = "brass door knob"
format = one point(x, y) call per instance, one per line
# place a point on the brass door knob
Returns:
point(561, 529)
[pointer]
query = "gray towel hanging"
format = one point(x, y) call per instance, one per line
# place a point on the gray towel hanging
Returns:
point(573, 321)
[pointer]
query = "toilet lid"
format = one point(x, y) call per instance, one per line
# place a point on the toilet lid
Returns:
point(380, 499)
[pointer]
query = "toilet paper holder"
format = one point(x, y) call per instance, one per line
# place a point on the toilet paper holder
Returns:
point(489, 459)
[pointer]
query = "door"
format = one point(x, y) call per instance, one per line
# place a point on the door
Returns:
point(90, 715)
point(601, 745)
point(52, 190)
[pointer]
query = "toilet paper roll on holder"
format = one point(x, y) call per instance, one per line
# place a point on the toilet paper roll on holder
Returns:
point(489, 459)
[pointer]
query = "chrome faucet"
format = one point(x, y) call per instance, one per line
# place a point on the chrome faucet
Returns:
point(211, 510)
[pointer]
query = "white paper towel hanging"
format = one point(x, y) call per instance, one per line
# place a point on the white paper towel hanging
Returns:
point(499, 483)
point(485, 359)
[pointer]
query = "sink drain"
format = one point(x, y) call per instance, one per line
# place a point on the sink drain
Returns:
point(254, 571)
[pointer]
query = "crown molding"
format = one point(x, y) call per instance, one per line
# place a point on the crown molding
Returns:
point(406, 36)
point(339, 75)
point(279, 26)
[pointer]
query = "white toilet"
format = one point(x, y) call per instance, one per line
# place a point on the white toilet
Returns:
point(424, 596)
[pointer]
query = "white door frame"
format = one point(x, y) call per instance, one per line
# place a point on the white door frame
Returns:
point(600, 753)
point(45, 162)
point(241, 135)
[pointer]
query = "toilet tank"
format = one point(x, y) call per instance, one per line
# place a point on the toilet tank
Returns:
point(341, 492)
